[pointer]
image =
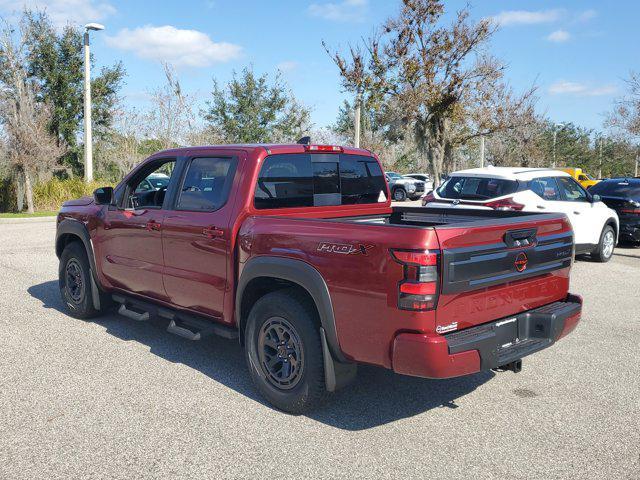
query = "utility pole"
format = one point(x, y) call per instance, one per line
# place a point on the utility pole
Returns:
point(88, 140)
point(555, 135)
point(555, 138)
point(600, 158)
point(637, 161)
point(356, 123)
point(481, 151)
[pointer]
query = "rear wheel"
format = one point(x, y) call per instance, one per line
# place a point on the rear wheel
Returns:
point(604, 252)
point(399, 194)
point(284, 352)
point(75, 282)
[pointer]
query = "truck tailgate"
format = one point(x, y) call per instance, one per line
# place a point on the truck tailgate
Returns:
point(491, 270)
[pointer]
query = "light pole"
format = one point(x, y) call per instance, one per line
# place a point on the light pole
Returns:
point(555, 136)
point(88, 141)
point(356, 122)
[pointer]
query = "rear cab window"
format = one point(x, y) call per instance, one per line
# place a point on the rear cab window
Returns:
point(476, 188)
point(313, 180)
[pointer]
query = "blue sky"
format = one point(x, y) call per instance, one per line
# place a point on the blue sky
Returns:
point(576, 52)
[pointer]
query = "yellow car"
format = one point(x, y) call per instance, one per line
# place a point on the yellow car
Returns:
point(583, 179)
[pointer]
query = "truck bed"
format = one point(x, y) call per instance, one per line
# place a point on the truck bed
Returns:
point(438, 217)
point(478, 280)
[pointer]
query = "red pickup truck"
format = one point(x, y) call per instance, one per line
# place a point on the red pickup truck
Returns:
point(296, 251)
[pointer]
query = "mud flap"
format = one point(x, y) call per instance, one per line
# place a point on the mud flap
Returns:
point(336, 374)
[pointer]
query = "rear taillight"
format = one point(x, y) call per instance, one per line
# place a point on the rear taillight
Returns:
point(505, 204)
point(428, 198)
point(631, 211)
point(418, 290)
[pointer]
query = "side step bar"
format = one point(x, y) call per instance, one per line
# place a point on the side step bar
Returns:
point(183, 324)
point(182, 331)
point(132, 314)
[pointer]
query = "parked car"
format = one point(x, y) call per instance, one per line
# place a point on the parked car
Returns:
point(622, 195)
point(295, 251)
point(423, 177)
point(580, 176)
point(154, 182)
point(534, 190)
point(402, 187)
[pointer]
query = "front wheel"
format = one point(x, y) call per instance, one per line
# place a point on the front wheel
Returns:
point(74, 280)
point(399, 195)
point(283, 351)
point(604, 251)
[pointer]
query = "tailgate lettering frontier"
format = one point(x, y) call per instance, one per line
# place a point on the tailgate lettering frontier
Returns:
point(472, 268)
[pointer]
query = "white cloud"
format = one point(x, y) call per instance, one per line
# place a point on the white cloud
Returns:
point(559, 36)
point(587, 15)
point(287, 66)
point(580, 89)
point(344, 11)
point(527, 17)
point(62, 12)
point(170, 44)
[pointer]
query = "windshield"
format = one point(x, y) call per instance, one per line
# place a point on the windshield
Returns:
point(476, 188)
point(394, 175)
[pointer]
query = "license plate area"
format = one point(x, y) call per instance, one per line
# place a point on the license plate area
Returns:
point(506, 332)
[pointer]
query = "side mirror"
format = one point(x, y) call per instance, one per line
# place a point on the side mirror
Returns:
point(596, 198)
point(103, 196)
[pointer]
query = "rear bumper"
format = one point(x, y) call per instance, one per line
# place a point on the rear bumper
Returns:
point(630, 231)
point(486, 346)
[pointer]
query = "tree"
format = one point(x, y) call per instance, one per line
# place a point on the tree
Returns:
point(433, 74)
point(250, 109)
point(624, 121)
point(54, 62)
point(171, 116)
point(31, 148)
point(626, 113)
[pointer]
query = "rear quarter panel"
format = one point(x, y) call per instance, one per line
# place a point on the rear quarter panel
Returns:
point(362, 285)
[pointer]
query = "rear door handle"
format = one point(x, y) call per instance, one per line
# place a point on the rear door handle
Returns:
point(542, 207)
point(576, 213)
point(212, 232)
point(153, 225)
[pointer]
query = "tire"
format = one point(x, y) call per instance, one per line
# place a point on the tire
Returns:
point(604, 252)
point(75, 282)
point(290, 375)
point(399, 194)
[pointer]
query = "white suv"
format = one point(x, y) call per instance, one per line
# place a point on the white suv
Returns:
point(595, 225)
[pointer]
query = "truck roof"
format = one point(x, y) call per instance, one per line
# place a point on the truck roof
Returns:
point(510, 173)
point(270, 148)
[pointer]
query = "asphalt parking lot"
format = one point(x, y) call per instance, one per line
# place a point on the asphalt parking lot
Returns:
point(114, 398)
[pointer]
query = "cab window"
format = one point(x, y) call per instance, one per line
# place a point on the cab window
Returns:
point(572, 190)
point(206, 184)
point(143, 194)
point(546, 188)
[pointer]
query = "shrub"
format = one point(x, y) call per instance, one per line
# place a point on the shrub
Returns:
point(52, 194)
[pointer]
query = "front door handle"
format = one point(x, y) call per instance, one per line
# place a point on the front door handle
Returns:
point(542, 207)
point(153, 225)
point(212, 232)
point(576, 213)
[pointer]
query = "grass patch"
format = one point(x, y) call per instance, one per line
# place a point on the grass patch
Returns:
point(43, 213)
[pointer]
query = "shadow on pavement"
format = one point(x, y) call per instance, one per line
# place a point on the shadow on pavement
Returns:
point(377, 396)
